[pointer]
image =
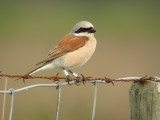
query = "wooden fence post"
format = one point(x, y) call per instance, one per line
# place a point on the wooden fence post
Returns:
point(145, 101)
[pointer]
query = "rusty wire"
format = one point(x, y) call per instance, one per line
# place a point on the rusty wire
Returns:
point(84, 79)
point(58, 86)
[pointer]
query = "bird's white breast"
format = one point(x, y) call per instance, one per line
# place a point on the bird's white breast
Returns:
point(78, 57)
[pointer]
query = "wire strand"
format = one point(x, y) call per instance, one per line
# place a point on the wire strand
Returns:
point(58, 99)
point(12, 103)
point(4, 99)
point(57, 78)
point(95, 100)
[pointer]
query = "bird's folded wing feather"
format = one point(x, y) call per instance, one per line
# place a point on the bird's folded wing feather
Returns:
point(67, 44)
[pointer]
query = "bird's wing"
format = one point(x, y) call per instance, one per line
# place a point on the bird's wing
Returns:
point(67, 44)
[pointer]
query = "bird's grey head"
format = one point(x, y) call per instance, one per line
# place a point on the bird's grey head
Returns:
point(83, 28)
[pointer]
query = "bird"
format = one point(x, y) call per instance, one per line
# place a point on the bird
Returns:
point(72, 51)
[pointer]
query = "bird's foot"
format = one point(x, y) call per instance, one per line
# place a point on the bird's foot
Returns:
point(79, 79)
point(69, 78)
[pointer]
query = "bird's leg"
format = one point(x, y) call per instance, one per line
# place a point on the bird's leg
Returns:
point(69, 78)
point(79, 79)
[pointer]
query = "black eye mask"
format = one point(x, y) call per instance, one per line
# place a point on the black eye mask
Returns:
point(89, 30)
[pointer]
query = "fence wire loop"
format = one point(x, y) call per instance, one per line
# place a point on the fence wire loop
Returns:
point(155, 78)
point(12, 91)
point(94, 82)
point(58, 85)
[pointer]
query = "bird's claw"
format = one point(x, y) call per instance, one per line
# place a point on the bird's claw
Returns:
point(69, 78)
point(79, 79)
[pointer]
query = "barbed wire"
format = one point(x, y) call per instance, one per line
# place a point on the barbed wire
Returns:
point(84, 79)
point(58, 85)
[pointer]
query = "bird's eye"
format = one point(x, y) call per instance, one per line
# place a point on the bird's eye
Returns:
point(80, 30)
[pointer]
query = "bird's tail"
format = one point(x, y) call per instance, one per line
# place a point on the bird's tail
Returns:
point(35, 70)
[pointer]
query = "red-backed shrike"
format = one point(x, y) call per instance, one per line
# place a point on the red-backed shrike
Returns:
point(74, 50)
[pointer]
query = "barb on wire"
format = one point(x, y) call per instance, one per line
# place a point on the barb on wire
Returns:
point(84, 79)
point(56, 78)
point(109, 80)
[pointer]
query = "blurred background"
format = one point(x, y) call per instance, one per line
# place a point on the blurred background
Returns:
point(128, 35)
